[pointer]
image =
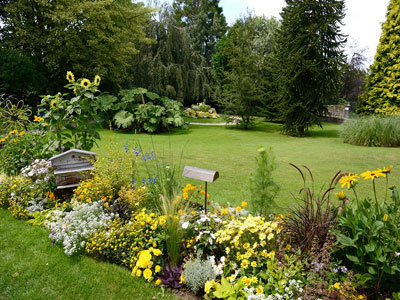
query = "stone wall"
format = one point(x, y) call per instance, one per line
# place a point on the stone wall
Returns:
point(337, 113)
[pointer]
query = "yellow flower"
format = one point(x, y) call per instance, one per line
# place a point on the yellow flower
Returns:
point(157, 268)
point(246, 246)
point(37, 119)
point(341, 195)
point(147, 274)
point(259, 289)
point(372, 175)
point(208, 286)
point(158, 281)
point(245, 264)
point(23, 152)
point(185, 195)
point(244, 204)
point(97, 80)
point(238, 208)
point(144, 259)
point(70, 77)
point(157, 252)
point(247, 281)
point(348, 180)
point(138, 273)
point(385, 218)
point(85, 83)
point(227, 250)
point(254, 280)
point(253, 264)
point(336, 286)
point(224, 211)
point(386, 170)
point(270, 236)
point(182, 279)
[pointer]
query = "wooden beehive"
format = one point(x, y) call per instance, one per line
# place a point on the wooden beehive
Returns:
point(71, 167)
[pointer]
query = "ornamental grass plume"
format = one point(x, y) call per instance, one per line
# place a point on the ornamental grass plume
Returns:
point(311, 220)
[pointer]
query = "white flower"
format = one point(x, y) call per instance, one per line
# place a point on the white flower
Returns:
point(185, 225)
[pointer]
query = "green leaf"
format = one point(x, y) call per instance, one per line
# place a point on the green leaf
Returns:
point(352, 258)
point(345, 240)
point(370, 247)
point(123, 119)
point(371, 270)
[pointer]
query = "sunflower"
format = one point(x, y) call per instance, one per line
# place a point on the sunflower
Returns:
point(70, 77)
point(97, 80)
point(85, 83)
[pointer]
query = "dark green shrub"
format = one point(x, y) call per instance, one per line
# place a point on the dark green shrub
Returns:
point(20, 76)
point(372, 131)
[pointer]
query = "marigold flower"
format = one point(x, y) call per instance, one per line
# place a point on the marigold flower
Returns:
point(70, 77)
point(244, 204)
point(247, 281)
point(85, 83)
point(244, 264)
point(259, 289)
point(157, 252)
point(147, 274)
point(348, 180)
point(238, 208)
point(97, 80)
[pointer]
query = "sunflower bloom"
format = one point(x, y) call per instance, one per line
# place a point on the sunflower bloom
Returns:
point(348, 180)
point(70, 77)
point(97, 80)
point(372, 175)
point(85, 83)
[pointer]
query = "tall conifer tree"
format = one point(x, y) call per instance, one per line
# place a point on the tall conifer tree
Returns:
point(382, 94)
point(308, 57)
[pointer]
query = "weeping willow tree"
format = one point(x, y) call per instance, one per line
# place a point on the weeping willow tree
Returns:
point(169, 66)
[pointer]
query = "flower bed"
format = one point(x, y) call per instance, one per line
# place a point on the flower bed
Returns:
point(201, 111)
point(226, 253)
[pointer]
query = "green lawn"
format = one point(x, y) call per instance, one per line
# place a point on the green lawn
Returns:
point(231, 151)
point(31, 268)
